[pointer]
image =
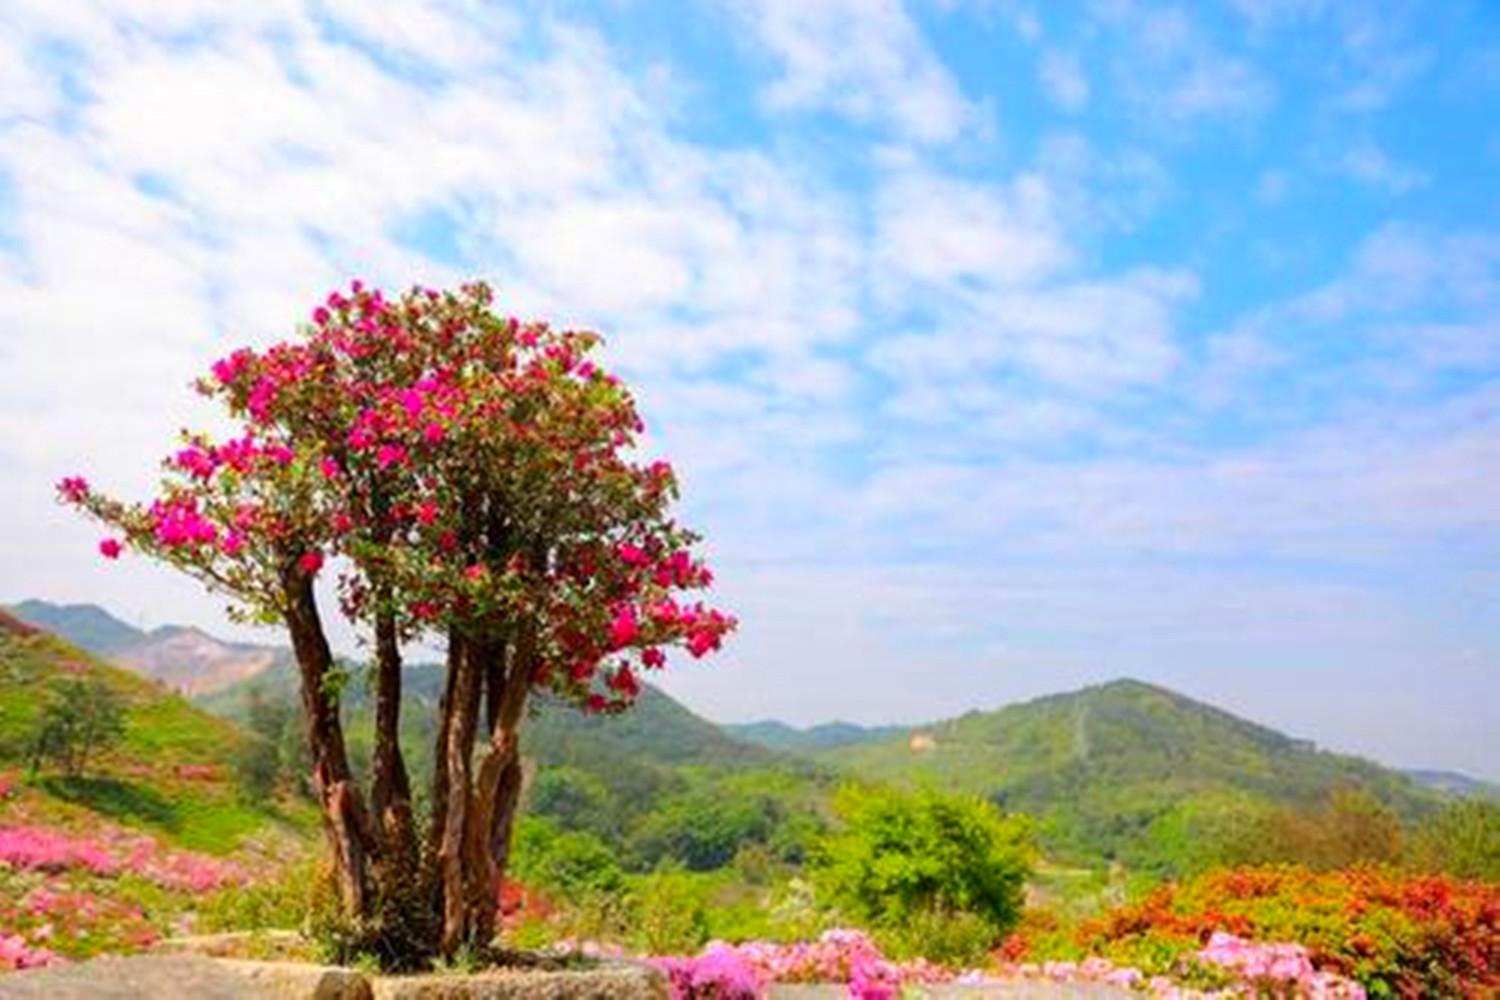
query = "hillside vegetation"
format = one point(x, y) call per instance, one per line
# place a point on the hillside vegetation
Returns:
point(171, 773)
point(1110, 767)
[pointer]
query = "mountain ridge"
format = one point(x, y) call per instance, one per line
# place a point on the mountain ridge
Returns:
point(184, 658)
point(174, 654)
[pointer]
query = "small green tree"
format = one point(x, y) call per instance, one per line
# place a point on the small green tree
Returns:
point(257, 769)
point(82, 718)
point(1462, 840)
point(905, 858)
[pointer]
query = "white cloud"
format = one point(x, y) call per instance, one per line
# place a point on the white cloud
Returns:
point(940, 231)
point(1063, 80)
point(1369, 164)
point(864, 59)
point(1172, 70)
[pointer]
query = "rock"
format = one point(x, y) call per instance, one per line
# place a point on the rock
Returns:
point(299, 980)
point(607, 981)
point(189, 975)
point(129, 979)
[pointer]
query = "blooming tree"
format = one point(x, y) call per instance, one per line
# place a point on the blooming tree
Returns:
point(471, 476)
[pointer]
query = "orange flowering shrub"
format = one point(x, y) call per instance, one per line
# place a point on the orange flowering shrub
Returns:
point(1397, 934)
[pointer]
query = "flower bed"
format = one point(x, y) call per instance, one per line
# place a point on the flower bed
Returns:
point(1226, 967)
point(1393, 933)
point(17, 953)
point(42, 849)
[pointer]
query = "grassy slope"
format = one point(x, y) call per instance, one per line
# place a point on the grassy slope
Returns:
point(170, 776)
point(1104, 762)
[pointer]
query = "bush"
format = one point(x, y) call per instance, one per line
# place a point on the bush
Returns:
point(904, 858)
point(1396, 934)
point(570, 863)
point(1462, 840)
point(671, 911)
point(257, 770)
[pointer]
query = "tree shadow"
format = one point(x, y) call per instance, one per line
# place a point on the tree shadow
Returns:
point(118, 800)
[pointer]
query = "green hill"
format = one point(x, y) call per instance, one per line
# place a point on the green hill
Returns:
point(1103, 766)
point(170, 775)
point(780, 736)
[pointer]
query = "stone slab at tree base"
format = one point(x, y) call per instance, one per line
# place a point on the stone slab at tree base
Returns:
point(192, 976)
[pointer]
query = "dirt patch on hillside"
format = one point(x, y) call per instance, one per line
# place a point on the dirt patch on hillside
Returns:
point(12, 625)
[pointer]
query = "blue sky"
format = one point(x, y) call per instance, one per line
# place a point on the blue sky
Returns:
point(1002, 346)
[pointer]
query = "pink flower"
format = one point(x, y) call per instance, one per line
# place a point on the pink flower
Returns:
point(389, 455)
point(310, 562)
point(427, 512)
point(74, 489)
point(110, 548)
point(653, 658)
point(623, 630)
point(232, 543)
point(196, 462)
point(280, 454)
point(624, 681)
point(330, 468)
point(433, 433)
point(320, 316)
point(631, 555)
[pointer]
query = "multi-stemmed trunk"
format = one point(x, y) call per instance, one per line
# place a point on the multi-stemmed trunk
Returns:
point(475, 798)
point(402, 901)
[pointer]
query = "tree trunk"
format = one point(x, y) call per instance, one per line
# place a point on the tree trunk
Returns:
point(461, 718)
point(344, 820)
point(390, 787)
point(479, 797)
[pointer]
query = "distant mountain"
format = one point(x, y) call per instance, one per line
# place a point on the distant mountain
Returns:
point(184, 659)
point(1454, 783)
point(87, 626)
point(1102, 764)
point(780, 736)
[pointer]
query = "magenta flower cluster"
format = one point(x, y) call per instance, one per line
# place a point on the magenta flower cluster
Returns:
point(745, 971)
point(1277, 967)
point(42, 849)
point(17, 953)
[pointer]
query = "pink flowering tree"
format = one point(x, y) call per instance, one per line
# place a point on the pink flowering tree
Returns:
point(470, 479)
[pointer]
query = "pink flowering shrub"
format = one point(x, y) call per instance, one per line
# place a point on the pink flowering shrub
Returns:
point(1230, 967)
point(17, 953)
point(1274, 969)
point(732, 972)
point(41, 849)
point(78, 923)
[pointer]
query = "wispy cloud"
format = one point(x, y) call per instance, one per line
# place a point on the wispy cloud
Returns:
point(864, 59)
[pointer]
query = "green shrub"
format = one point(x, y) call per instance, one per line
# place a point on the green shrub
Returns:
point(1462, 840)
point(906, 857)
point(671, 912)
point(568, 863)
point(283, 903)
